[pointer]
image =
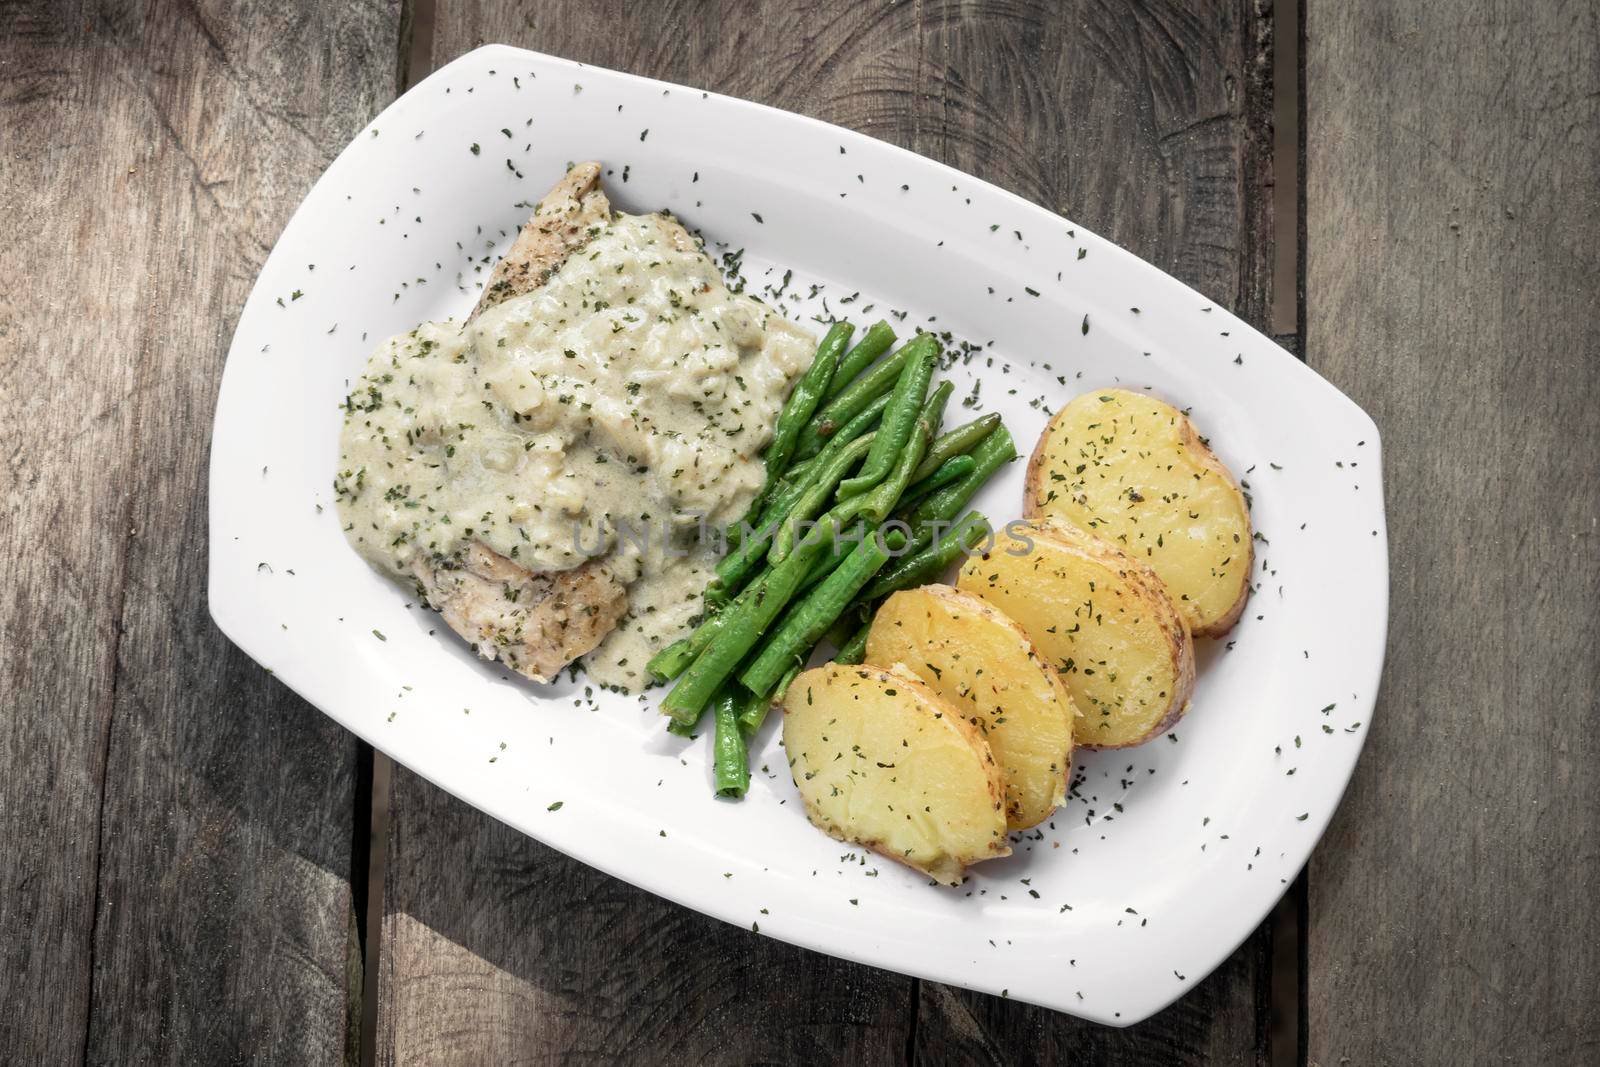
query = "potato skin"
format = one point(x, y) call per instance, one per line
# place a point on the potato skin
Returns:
point(1037, 479)
point(1209, 459)
point(925, 706)
point(1143, 584)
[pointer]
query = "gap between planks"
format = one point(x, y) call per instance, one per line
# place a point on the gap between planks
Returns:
point(414, 61)
point(1287, 970)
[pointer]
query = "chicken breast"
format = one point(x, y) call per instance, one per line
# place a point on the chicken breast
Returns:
point(536, 622)
point(539, 471)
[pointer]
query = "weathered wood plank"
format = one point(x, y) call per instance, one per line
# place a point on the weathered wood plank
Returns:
point(1144, 125)
point(177, 826)
point(1453, 189)
point(497, 949)
point(1223, 1020)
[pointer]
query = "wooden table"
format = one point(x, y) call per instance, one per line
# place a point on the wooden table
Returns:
point(185, 843)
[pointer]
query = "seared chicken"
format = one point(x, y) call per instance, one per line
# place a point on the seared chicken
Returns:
point(536, 622)
point(607, 382)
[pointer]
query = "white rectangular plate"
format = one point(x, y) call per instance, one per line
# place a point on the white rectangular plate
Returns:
point(1165, 857)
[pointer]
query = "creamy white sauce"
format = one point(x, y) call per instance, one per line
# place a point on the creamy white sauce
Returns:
point(631, 391)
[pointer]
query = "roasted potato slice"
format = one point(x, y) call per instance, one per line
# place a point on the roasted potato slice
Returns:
point(982, 663)
point(1101, 619)
point(1133, 471)
point(882, 762)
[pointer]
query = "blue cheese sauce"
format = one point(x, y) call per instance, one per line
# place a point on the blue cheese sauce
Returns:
point(619, 409)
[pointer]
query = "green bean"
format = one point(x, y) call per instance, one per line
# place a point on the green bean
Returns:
point(797, 471)
point(741, 625)
point(932, 417)
point(931, 561)
point(793, 478)
point(705, 633)
point(730, 764)
point(818, 493)
point(992, 453)
point(672, 660)
point(863, 422)
point(958, 442)
point(854, 650)
point(676, 657)
point(842, 629)
point(837, 554)
point(805, 398)
point(874, 505)
point(754, 538)
point(842, 547)
point(952, 470)
point(838, 412)
point(684, 729)
point(738, 565)
point(782, 689)
point(741, 561)
point(788, 488)
point(860, 423)
point(797, 410)
point(874, 343)
point(782, 497)
point(900, 420)
point(809, 619)
point(755, 708)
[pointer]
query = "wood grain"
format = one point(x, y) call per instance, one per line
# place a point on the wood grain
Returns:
point(1144, 122)
point(177, 826)
point(1453, 183)
point(530, 956)
point(1223, 1020)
